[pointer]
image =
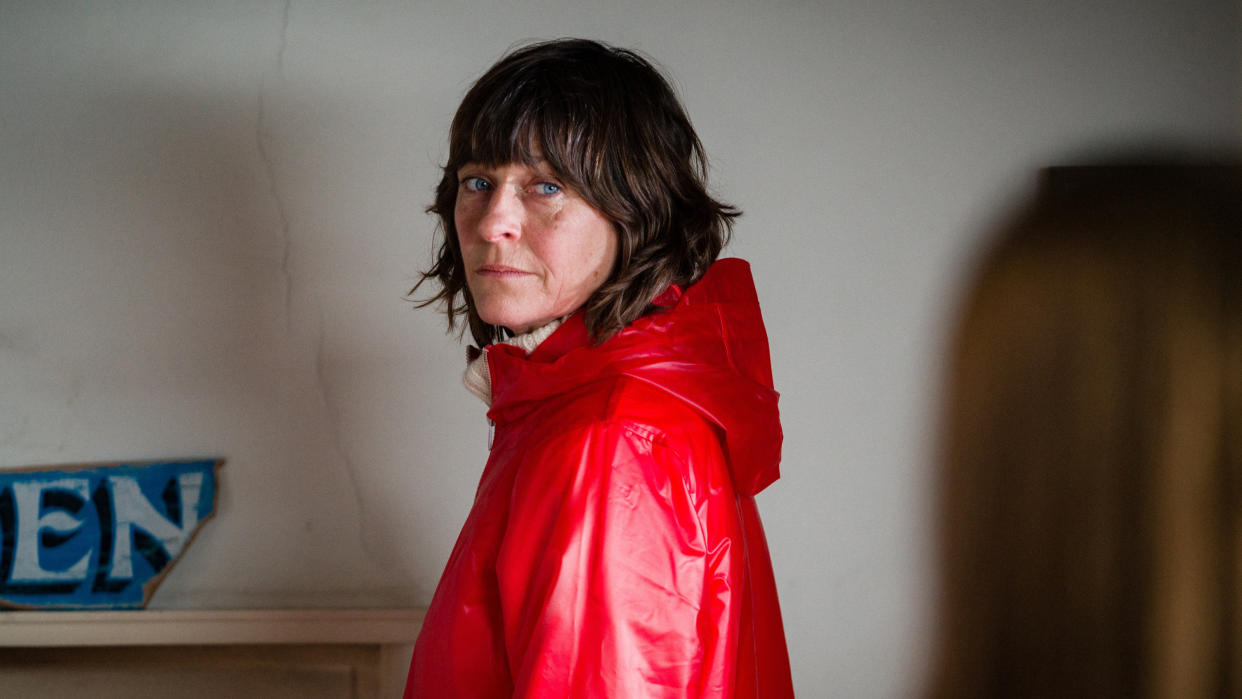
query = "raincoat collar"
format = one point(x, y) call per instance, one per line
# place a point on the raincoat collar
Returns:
point(707, 347)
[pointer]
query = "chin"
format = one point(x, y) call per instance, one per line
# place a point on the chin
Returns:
point(515, 317)
point(508, 320)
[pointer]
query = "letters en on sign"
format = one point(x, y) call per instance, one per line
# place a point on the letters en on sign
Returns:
point(86, 537)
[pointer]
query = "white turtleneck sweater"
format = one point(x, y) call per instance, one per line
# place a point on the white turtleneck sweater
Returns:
point(478, 378)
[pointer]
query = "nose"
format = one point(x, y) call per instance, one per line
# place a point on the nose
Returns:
point(502, 216)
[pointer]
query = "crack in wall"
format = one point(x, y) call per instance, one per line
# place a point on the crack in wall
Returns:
point(263, 137)
point(338, 442)
point(264, 140)
point(273, 189)
point(284, 37)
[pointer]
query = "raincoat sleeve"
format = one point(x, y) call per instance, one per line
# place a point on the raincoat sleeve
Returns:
point(612, 582)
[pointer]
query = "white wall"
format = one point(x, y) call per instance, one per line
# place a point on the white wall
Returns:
point(210, 211)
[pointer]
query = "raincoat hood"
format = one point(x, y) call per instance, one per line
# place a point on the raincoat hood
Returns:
point(706, 347)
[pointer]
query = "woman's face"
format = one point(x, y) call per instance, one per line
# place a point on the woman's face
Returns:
point(533, 249)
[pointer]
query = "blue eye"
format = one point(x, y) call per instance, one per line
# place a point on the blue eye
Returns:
point(547, 188)
point(475, 184)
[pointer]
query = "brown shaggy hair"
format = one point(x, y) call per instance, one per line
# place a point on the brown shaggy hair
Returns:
point(1090, 511)
point(611, 127)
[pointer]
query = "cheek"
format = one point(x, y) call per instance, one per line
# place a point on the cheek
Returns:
point(461, 218)
point(467, 210)
point(464, 224)
point(604, 247)
point(552, 213)
point(463, 246)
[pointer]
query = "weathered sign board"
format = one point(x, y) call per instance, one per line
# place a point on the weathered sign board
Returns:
point(98, 536)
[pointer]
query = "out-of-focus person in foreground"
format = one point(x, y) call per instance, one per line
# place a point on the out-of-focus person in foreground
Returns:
point(614, 548)
point(1090, 483)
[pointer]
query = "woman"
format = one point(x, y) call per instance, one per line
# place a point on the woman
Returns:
point(1090, 512)
point(614, 548)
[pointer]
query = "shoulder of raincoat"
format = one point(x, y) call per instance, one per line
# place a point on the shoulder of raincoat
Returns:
point(614, 548)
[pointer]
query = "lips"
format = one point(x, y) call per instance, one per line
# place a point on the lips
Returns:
point(500, 271)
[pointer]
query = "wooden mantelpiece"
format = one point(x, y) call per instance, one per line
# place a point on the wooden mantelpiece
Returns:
point(320, 652)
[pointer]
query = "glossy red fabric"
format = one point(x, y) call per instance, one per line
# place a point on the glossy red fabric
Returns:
point(614, 548)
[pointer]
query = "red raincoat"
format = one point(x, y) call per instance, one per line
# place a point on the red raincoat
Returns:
point(614, 548)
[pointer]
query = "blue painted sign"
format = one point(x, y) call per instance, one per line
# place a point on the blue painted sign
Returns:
point(98, 536)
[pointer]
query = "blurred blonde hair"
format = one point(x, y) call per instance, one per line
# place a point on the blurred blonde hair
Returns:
point(1088, 500)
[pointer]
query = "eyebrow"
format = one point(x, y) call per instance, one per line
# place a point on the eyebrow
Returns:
point(541, 165)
